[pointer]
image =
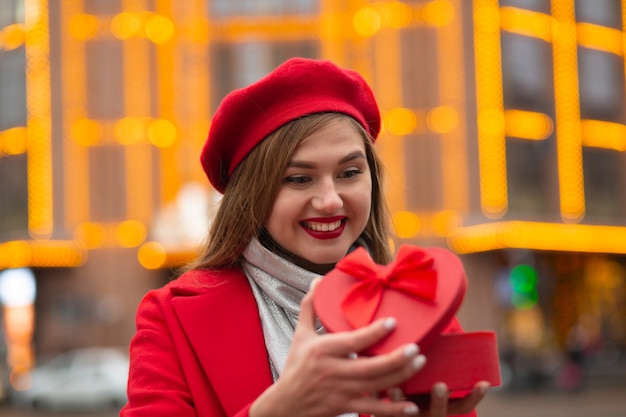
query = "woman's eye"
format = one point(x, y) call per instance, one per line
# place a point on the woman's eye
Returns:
point(297, 179)
point(350, 173)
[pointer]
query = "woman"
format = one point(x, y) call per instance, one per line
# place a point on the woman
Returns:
point(236, 334)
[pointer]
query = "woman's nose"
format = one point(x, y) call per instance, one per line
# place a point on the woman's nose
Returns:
point(327, 198)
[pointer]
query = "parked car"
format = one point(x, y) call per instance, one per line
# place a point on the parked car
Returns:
point(82, 379)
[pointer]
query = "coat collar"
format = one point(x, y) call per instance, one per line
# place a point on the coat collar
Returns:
point(219, 315)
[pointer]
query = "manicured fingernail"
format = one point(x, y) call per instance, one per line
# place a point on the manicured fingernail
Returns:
point(419, 362)
point(314, 283)
point(483, 388)
point(390, 323)
point(440, 390)
point(411, 410)
point(411, 350)
point(395, 394)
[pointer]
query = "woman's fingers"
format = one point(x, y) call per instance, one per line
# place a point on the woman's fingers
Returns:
point(380, 372)
point(442, 406)
point(438, 400)
point(382, 408)
point(307, 317)
point(468, 403)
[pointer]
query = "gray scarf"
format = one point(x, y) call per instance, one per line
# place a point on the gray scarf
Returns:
point(278, 287)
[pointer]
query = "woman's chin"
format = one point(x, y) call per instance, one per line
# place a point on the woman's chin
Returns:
point(316, 262)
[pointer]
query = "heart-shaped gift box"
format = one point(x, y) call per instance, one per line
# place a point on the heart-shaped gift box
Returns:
point(422, 288)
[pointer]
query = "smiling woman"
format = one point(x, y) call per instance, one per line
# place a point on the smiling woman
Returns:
point(324, 203)
point(236, 334)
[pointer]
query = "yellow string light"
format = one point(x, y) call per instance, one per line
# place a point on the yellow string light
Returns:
point(490, 111)
point(39, 167)
point(527, 124)
point(603, 134)
point(567, 111)
point(539, 236)
point(46, 253)
point(600, 38)
point(526, 22)
point(12, 36)
point(78, 131)
point(13, 141)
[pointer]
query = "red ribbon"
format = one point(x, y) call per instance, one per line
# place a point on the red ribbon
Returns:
point(411, 272)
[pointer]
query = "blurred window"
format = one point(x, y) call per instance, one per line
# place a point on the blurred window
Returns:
point(105, 79)
point(13, 170)
point(107, 179)
point(102, 7)
point(542, 6)
point(600, 12)
point(601, 87)
point(601, 90)
point(419, 76)
point(11, 11)
point(12, 88)
point(420, 81)
point(605, 170)
point(527, 73)
point(13, 196)
point(532, 176)
point(527, 85)
point(260, 7)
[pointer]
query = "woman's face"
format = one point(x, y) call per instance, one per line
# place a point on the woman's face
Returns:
point(324, 202)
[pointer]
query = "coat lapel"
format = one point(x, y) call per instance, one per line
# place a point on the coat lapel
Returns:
point(219, 315)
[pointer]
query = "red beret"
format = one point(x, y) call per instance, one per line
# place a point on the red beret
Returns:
point(296, 88)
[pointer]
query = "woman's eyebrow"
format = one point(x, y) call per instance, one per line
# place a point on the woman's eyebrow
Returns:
point(352, 156)
point(309, 165)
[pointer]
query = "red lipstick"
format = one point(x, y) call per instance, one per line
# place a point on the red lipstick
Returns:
point(324, 227)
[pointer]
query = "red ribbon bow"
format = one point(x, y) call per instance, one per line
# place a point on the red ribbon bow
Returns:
point(410, 272)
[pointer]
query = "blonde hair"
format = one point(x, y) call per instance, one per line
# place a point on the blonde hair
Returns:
point(253, 187)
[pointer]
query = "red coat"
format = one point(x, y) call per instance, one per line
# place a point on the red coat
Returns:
point(198, 350)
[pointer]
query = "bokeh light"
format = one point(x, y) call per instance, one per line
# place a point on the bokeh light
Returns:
point(367, 21)
point(126, 25)
point(162, 133)
point(130, 233)
point(400, 121)
point(406, 224)
point(17, 287)
point(129, 130)
point(84, 26)
point(159, 29)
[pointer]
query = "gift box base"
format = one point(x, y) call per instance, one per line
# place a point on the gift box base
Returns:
point(460, 360)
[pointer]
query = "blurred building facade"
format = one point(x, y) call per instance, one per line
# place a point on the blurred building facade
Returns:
point(504, 139)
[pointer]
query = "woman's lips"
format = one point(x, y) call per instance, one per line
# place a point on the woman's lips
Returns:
point(324, 228)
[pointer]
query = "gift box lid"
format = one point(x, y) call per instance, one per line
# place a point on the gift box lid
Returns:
point(422, 288)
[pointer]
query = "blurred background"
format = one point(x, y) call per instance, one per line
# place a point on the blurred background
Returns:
point(504, 139)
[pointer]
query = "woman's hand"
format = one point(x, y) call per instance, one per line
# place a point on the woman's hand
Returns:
point(439, 403)
point(322, 376)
